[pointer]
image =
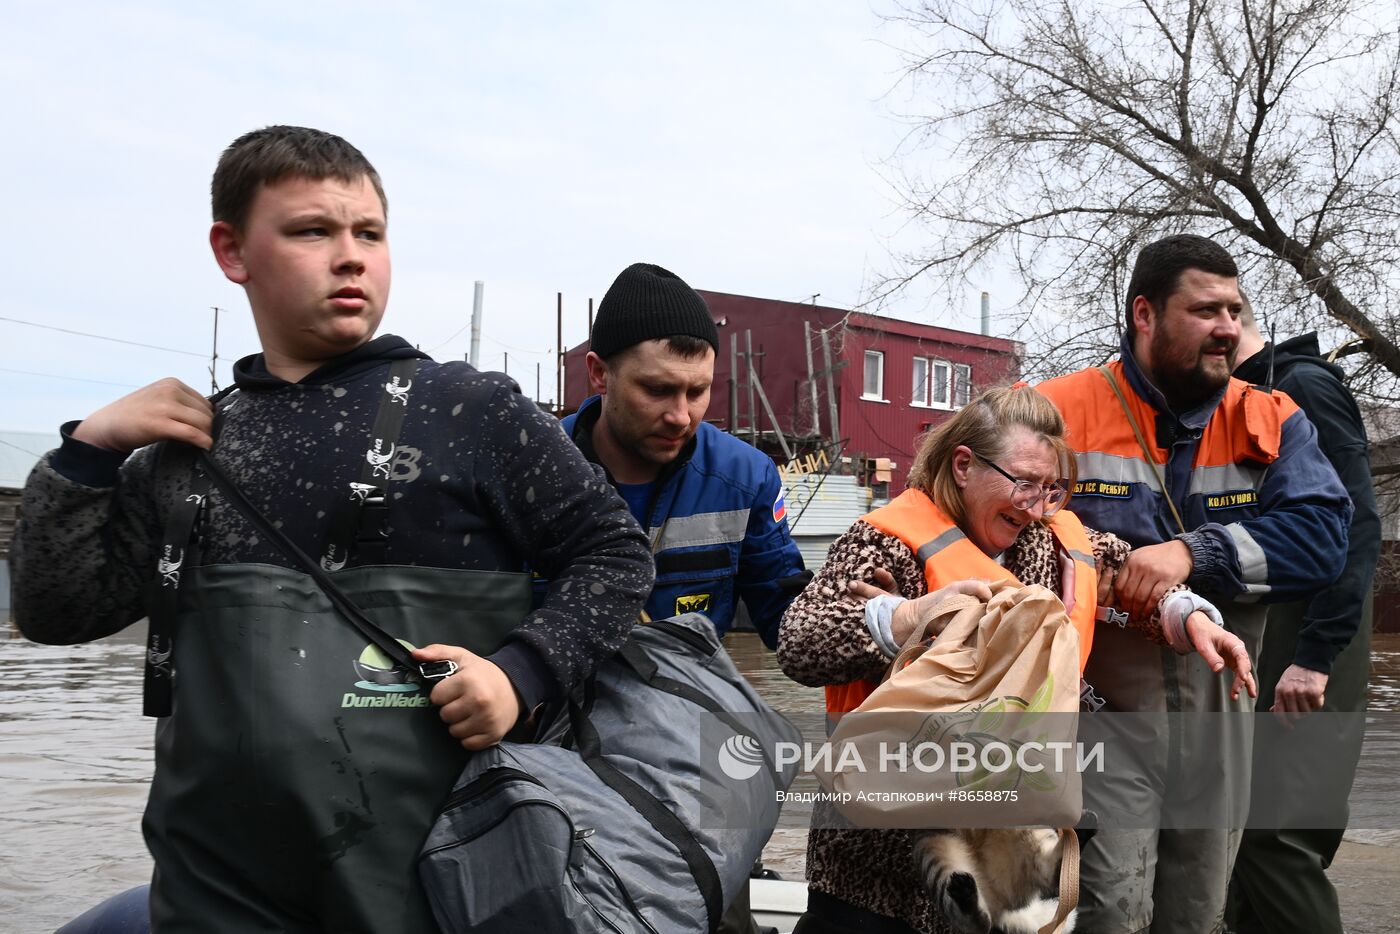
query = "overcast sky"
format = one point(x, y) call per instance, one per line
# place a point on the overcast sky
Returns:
point(537, 146)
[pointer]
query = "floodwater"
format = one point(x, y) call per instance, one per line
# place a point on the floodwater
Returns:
point(75, 765)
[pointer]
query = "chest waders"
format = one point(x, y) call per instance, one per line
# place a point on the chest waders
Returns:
point(298, 766)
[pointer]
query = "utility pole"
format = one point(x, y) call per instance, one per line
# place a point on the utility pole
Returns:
point(753, 409)
point(734, 384)
point(476, 323)
point(214, 356)
point(830, 372)
point(811, 379)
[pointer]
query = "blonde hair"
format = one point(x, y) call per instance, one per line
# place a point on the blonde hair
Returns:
point(984, 426)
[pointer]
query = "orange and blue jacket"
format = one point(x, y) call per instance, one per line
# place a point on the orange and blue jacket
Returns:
point(1266, 517)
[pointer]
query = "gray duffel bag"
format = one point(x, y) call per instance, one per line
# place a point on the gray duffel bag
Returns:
point(642, 810)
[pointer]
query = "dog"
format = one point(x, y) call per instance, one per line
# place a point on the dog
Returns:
point(995, 880)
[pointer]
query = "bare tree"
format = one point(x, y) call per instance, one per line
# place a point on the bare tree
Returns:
point(1078, 130)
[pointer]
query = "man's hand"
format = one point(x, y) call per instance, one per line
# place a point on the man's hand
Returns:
point(166, 410)
point(478, 703)
point(1148, 573)
point(884, 584)
point(1222, 649)
point(1299, 692)
point(1107, 576)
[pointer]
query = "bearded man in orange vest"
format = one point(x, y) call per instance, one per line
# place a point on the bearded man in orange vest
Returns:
point(1216, 484)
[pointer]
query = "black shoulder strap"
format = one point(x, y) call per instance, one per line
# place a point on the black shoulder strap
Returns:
point(179, 551)
point(359, 522)
point(425, 672)
point(701, 867)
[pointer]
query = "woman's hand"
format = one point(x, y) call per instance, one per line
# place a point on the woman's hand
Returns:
point(1221, 648)
point(911, 615)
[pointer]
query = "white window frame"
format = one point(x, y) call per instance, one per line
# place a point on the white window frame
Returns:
point(879, 357)
point(919, 396)
point(945, 383)
point(937, 390)
point(962, 389)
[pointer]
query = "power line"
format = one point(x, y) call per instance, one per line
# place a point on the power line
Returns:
point(18, 448)
point(496, 341)
point(101, 337)
point(74, 379)
point(501, 343)
point(450, 339)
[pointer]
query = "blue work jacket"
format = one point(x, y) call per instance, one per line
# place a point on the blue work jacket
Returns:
point(718, 527)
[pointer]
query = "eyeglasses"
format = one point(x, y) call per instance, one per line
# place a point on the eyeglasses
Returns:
point(1026, 493)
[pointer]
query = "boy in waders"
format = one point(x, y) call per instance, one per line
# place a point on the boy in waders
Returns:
point(297, 768)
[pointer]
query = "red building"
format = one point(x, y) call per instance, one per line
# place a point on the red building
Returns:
point(888, 380)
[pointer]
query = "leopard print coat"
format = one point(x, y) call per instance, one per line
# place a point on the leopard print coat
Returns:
point(823, 640)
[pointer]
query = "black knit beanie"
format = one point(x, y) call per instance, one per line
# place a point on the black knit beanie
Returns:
point(645, 303)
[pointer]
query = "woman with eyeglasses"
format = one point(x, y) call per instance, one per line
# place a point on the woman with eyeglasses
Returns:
point(985, 501)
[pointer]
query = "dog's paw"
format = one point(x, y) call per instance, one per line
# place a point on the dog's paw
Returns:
point(957, 897)
point(1029, 919)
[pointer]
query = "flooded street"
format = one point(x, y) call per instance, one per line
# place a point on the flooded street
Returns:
point(75, 764)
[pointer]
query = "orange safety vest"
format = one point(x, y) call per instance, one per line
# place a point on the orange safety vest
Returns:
point(1246, 428)
point(949, 556)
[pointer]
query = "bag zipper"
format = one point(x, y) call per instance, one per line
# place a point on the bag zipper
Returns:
point(485, 782)
point(626, 895)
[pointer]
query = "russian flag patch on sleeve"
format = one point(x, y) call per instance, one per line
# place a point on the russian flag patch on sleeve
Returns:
point(779, 508)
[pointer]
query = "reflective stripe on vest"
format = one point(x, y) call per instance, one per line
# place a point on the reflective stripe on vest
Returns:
point(1242, 437)
point(1244, 431)
point(949, 556)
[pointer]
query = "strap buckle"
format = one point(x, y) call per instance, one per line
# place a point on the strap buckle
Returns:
point(1088, 700)
point(363, 493)
point(1117, 618)
point(433, 672)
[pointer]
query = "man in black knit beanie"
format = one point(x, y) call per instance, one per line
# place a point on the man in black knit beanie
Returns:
point(646, 302)
point(712, 504)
